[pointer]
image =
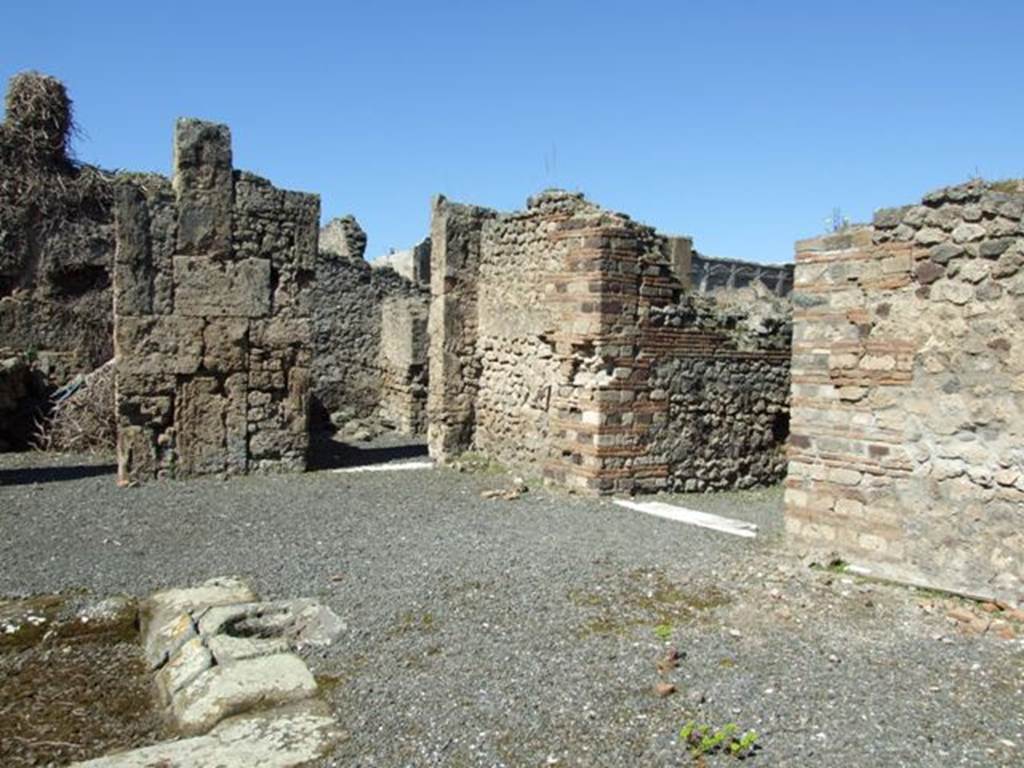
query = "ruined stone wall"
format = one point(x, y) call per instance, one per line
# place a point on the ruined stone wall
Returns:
point(212, 303)
point(671, 391)
point(364, 321)
point(724, 395)
point(403, 363)
point(517, 320)
point(579, 360)
point(56, 237)
point(456, 232)
point(908, 393)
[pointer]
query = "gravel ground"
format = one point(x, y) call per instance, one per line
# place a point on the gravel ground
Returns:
point(527, 632)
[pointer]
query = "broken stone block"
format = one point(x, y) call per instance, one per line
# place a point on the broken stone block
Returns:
point(226, 690)
point(167, 639)
point(184, 665)
point(158, 344)
point(202, 441)
point(225, 345)
point(281, 333)
point(133, 284)
point(290, 737)
point(204, 225)
point(202, 156)
point(236, 436)
point(161, 613)
point(137, 448)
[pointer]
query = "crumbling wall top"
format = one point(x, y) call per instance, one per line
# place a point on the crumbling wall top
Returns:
point(344, 237)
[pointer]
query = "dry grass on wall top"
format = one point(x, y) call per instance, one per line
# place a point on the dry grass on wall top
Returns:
point(41, 185)
point(39, 117)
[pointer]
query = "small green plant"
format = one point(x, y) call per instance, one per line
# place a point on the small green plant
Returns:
point(745, 745)
point(663, 631)
point(705, 740)
point(836, 565)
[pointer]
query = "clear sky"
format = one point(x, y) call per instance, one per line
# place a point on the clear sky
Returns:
point(741, 123)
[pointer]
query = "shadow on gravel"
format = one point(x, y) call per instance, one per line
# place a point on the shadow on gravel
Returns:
point(326, 453)
point(30, 475)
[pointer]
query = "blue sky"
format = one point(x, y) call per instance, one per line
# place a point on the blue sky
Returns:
point(741, 123)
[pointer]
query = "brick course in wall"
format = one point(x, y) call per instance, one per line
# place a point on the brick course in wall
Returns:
point(212, 298)
point(579, 359)
point(907, 447)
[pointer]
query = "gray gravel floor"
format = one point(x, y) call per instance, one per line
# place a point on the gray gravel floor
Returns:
point(526, 632)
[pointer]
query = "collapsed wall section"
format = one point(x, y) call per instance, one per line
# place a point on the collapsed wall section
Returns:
point(56, 239)
point(212, 301)
point(908, 393)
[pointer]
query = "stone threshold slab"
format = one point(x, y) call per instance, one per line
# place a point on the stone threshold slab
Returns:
point(284, 738)
point(396, 467)
point(692, 517)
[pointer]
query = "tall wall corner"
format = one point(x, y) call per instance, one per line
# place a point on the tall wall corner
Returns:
point(212, 323)
point(908, 393)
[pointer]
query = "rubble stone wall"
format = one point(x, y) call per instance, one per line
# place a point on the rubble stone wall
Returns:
point(365, 320)
point(403, 363)
point(213, 280)
point(56, 239)
point(724, 397)
point(517, 321)
point(578, 357)
point(907, 452)
point(456, 233)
